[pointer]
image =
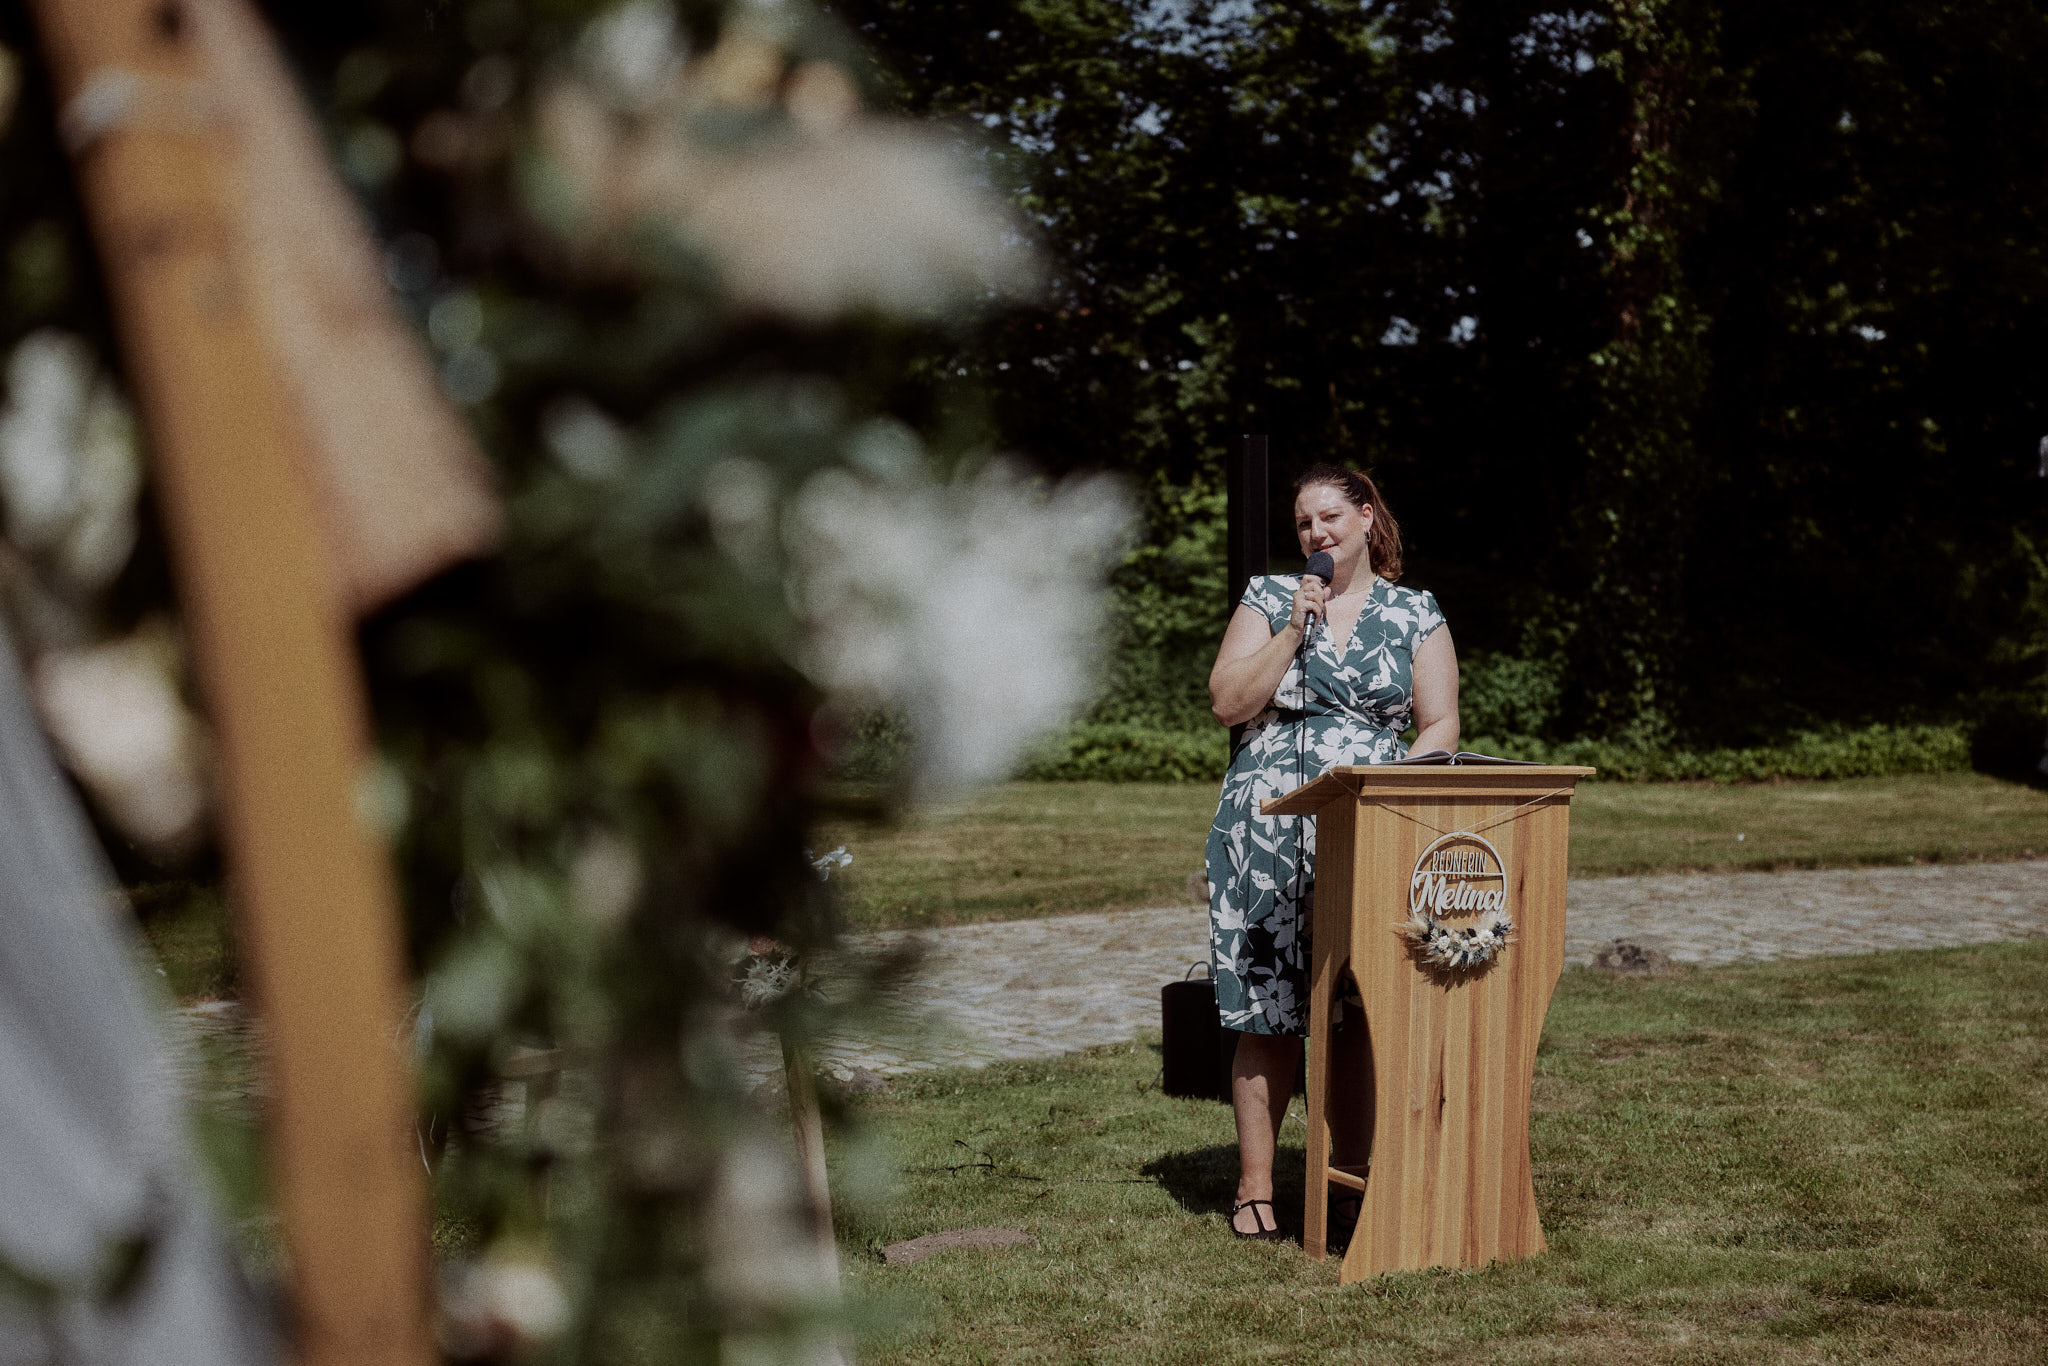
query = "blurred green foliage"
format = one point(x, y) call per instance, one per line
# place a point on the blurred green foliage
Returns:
point(600, 755)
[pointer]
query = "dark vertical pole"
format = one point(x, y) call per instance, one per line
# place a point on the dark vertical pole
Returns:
point(2041, 763)
point(1247, 515)
point(1245, 524)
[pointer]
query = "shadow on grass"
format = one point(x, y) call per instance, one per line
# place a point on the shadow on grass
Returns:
point(1204, 1181)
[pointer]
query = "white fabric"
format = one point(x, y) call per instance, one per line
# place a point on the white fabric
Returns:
point(94, 1156)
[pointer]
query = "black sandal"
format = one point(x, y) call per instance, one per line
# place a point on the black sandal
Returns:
point(1257, 1235)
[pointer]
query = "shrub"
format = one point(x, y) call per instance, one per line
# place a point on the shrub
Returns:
point(1841, 752)
point(1504, 695)
point(876, 748)
point(1128, 753)
point(1123, 752)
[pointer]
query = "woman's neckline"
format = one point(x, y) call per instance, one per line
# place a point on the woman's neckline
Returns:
point(1341, 640)
point(1372, 584)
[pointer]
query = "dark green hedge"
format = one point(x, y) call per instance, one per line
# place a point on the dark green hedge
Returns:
point(1135, 753)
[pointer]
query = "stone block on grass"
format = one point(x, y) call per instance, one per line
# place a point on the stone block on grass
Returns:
point(917, 1249)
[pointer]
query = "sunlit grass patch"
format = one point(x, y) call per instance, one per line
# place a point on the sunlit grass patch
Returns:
point(1833, 1160)
point(1030, 849)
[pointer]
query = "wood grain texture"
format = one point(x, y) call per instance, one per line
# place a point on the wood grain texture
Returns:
point(315, 902)
point(1451, 1055)
point(1385, 781)
point(1335, 847)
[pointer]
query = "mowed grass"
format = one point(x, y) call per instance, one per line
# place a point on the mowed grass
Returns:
point(1031, 849)
point(1840, 1160)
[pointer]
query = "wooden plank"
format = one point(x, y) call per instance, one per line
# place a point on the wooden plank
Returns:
point(1520, 784)
point(1460, 1005)
point(1329, 953)
point(313, 895)
point(1376, 1241)
point(1494, 1089)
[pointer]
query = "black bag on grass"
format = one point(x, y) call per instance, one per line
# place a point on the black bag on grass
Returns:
point(1195, 1049)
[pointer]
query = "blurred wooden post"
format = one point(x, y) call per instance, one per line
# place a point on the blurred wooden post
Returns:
point(808, 1120)
point(272, 639)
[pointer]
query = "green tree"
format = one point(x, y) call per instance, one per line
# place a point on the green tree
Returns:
point(1643, 468)
point(1693, 342)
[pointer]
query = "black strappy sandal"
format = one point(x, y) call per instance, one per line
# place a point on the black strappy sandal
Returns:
point(1257, 1235)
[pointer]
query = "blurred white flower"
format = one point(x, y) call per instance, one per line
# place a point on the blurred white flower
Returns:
point(632, 51)
point(606, 877)
point(69, 467)
point(739, 496)
point(976, 607)
point(765, 978)
point(587, 443)
point(772, 1259)
point(825, 864)
point(511, 1301)
point(115, 716)
point(834, 214)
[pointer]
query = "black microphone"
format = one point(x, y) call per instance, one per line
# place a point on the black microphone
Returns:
point(1320, 566)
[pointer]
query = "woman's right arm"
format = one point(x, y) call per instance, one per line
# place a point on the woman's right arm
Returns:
point(1254, 658)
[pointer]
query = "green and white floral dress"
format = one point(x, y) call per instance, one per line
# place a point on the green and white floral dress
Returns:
point(1351, 707)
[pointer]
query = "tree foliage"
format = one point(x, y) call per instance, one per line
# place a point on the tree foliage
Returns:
point(1694, 343)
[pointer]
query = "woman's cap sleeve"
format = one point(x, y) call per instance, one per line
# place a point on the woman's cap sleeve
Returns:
point(1428, 616)
point(1266, 596)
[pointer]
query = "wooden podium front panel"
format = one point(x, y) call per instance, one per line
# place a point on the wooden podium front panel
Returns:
point(1452, 1055)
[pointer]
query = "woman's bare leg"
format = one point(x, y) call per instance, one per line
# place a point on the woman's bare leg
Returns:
point(1261, 1082)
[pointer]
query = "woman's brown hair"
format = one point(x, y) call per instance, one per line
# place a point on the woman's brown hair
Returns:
point(1383, 542)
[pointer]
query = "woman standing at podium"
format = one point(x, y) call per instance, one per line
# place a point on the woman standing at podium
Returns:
point(1320, 676)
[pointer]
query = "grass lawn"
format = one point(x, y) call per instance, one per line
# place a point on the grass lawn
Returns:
point(1839, 1160)
point(1029, 849)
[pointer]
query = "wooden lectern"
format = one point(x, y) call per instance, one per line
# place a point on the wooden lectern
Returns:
point(1433, 1101)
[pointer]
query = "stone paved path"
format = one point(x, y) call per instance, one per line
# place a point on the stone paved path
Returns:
point(1039, 988)
point(1035, 988)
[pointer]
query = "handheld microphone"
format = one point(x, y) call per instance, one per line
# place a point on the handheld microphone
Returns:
point(1321, 566)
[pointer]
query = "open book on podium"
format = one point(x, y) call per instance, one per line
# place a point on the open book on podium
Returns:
point(1440, 889)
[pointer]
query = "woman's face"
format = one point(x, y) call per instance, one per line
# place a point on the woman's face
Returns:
point(1326, 520)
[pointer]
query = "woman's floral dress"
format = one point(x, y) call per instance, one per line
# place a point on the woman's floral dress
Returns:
point(1356, 704)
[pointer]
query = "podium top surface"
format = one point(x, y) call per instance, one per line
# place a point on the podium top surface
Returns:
point(1402, 780)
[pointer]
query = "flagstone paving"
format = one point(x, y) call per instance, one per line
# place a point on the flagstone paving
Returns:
point(1038, 988)
point(1035, 988)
